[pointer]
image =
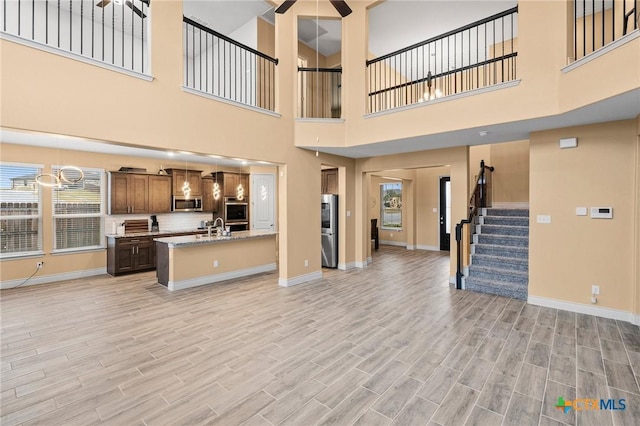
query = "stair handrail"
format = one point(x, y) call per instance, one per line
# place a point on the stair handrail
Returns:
point(477, 201)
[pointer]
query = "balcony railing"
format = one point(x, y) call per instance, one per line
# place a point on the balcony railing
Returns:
point(477, 55)
point(600, 22)
point(220, 66)
point(319, 92)
point(113, 32)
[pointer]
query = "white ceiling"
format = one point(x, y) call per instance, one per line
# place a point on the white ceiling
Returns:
point(102, 147)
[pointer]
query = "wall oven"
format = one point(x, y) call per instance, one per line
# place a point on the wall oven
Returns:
point(235, 211)
point(182, 204)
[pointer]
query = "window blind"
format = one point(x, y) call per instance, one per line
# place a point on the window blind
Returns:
point(78, 210)
point(20, 210)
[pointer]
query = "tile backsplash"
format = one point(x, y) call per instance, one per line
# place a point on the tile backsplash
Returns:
point(167, 222)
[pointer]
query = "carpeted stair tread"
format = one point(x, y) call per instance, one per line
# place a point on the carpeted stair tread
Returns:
point(499, 250)
point(502, 240)
point(499, 274)
point(515, 263)
point(504, 220)
point(515, 230)
point(507, 212)
point(501, 288)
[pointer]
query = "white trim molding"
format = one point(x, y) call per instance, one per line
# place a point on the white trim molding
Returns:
point(210, 279)
point(429, 248)
point(393, 243)
point(300, 279)
point(229, 101)
point(346, 266)
point(52, 278)
point(74, 56)
point(411, 247)
point(585, 309)
point(452, 280)
point(602, 51)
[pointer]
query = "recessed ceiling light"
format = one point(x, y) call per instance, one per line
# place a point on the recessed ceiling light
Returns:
point(214, 156)
point(483, 133)
point(171, 154)
point(186, 152)
point(239, 159)
point(263, 162)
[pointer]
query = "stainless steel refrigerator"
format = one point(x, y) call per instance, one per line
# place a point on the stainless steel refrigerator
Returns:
point(329, 218)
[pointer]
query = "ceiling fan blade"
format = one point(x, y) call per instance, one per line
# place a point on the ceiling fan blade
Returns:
point(342, 7)
point(285, 6)
point(103, 3)
point(135, 9)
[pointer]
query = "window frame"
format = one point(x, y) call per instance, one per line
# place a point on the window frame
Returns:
point(383, 208)
point(40, 251)
point(101, 214)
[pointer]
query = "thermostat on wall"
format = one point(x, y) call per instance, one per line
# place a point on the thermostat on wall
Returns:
point(601, 212)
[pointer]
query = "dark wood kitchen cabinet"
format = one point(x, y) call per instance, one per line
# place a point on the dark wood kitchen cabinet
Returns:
point(135, 193)
point(160, 194)
point(329, 181)
point(194, 177)
point(229, 182)
point(125, 255)
point(128, 193)
point(209, 204)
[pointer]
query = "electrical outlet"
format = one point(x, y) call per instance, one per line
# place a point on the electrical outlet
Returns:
point(306, 263)
point(39, 265)
point(215, 264)
point(595, 290)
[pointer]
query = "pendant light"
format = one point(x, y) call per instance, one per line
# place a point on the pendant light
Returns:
point(240, 188)
point(186, 188)
point(216, 185)
point(67, 174)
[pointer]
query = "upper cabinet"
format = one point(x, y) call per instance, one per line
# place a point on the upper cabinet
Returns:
point(209, 203)
point(329, 181)
point(134, 193)
point(194, 177)
point(233, 184)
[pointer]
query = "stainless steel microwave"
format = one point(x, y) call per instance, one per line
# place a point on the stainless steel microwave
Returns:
point(183, 204)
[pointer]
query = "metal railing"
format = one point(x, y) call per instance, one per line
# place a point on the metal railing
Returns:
point(597, 23)
point(480, 198)
point(476, 55)
point(220, 66)
point(319, 92)
point(114, 32)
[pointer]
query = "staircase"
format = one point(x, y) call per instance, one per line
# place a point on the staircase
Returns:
point(500, 253)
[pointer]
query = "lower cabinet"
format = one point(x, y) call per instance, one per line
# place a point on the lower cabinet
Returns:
point(125, 255)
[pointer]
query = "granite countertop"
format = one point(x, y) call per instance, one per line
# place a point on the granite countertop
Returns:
point(154, 234)
point(190, 240)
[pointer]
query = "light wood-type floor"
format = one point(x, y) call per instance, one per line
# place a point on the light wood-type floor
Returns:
point(390, 344)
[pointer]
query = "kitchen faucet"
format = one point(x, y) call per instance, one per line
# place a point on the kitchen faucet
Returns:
point(219, 228)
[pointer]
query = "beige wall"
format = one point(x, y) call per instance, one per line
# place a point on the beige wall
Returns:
point(510, 179)
point(428, 198)
point(573, 253)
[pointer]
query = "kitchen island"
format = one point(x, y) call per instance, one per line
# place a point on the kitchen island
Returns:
point(195, 260)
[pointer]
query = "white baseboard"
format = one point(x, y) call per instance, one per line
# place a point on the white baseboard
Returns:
point(585, 309)
point(346, 266)
point(510, 205)
point(393, 243)
point(452, 279)
point(425, 247)
point(365, 263)
point(411, 247)
point(300, 279)
point(52, 278)
point(210, 279)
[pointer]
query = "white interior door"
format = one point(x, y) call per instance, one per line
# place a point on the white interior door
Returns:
point(263, 198)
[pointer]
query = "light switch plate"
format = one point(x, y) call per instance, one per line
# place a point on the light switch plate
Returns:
point(581, 211)
point(543, 218)
point(435, 210)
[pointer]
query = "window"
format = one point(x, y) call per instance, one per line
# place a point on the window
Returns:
point(20, 210)
point(391, 205)
point(78, 212)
